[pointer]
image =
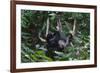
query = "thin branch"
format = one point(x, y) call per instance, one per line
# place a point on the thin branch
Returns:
point(47, 28)
point(59, 25)
point(39, 35)
point(67, 25)
point(74, 27)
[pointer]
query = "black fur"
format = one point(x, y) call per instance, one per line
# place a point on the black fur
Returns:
point(58, 41)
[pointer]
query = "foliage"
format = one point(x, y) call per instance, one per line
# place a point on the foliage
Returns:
point(34, 22)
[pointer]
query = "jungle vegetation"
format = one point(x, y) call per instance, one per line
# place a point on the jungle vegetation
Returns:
point(34, 23)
